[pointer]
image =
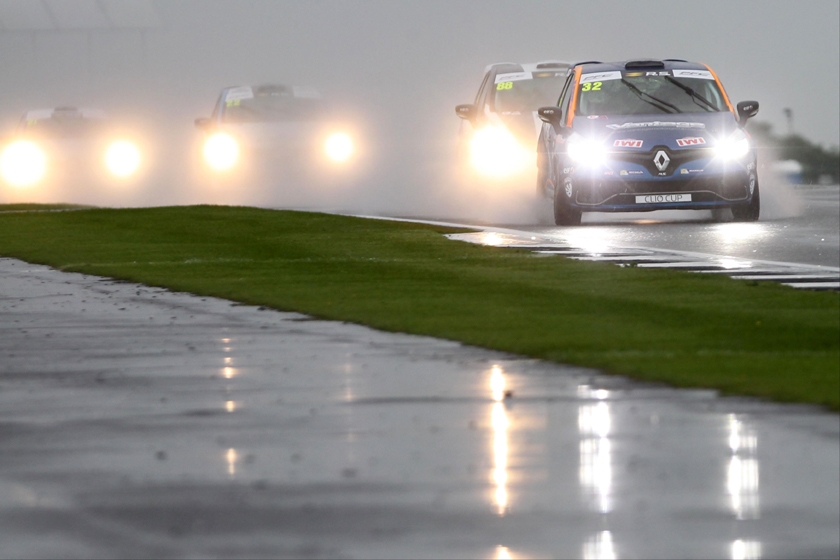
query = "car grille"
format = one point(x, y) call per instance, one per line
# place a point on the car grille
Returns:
point(678, 158)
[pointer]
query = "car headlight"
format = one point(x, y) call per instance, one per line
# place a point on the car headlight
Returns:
point(586, 151)
point(122, 158)
point(494, 152)
point(221, 151)
point(339, 147)
point(735, 146)
point(23, 163)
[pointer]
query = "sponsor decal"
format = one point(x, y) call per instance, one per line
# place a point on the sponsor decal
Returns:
point(695, 170)
point(631, 172)
point(244, 92)
point(683, 171)
point(600, 77)
point(512, 77)
point(592, 117)
point(663, 73)
point(699, 74)
point(608, 172)
point(662, 198)
point(656, 124)
point(628, 143)
point(623, 172)
point(691, 141)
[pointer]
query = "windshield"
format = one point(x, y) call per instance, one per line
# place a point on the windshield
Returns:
point(525, 92)
point(645, 93)
point(62, 127)
point(271, 104)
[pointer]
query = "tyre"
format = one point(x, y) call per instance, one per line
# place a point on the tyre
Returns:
point(541, 183)
point(564, 214)
point(751, 211)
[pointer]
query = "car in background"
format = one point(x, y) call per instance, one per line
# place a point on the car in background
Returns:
point(645, 135)
point(285, 130)
point(65, 145)
point(499, 130)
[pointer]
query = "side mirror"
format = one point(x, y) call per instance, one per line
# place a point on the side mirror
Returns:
point(746, 110)
point(467, 112)
point(552, 116)
point(203, 123)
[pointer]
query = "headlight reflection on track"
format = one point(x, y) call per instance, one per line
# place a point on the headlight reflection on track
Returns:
point(23, 163)
point(122, 158)
point(221, 151)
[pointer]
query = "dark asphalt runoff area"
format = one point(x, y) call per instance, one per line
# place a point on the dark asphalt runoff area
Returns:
point(137, 422)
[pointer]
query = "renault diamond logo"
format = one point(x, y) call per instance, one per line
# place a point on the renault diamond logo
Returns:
point(661, 160)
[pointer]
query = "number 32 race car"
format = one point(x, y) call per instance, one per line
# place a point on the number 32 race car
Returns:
point(646, 135)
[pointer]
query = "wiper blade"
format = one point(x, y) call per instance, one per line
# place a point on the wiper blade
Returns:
point(694, 95)
point(655, 101)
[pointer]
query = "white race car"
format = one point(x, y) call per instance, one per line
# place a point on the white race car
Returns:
point(499, 131)
point(64, 145)
point(289, 132)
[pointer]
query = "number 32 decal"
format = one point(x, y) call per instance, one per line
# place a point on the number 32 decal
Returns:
point(591, 86)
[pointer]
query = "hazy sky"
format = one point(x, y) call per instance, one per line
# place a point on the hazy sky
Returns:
point(413, 60)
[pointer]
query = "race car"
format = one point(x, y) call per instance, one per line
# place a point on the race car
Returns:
point(645, 135)
point(287, 130)
point(66, 144)
point(499, 131)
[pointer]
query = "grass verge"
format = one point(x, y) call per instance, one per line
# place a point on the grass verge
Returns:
point(688, 330)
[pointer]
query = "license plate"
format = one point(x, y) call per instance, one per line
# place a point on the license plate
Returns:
point(662, 198)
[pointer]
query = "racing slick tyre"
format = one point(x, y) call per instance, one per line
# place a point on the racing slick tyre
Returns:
point(751, 211)
point(564, 214)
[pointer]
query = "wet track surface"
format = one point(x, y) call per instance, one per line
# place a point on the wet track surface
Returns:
point(810, 238)
point(136, 422)
point(802, 251)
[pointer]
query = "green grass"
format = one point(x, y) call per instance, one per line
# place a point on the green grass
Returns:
point(690, 330)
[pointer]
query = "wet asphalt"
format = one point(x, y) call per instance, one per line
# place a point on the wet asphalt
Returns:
point(800, 226)
point(136, 422)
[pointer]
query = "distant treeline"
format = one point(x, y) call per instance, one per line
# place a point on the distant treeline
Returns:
point(817, 162)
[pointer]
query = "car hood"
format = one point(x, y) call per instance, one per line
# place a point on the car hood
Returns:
point(525, 125)
point(677, 132)
point(271, 135)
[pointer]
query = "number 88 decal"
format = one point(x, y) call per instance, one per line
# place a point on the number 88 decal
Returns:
point(504, 86)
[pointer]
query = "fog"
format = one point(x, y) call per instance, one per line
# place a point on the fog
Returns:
point(396, 68)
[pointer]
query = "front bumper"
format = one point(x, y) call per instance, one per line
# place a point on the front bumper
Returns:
point(623, 185)
point(624, 196)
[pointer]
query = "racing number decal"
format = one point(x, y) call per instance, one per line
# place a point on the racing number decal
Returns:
point(233, 102)
point(591, 86)
point(504, 85)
